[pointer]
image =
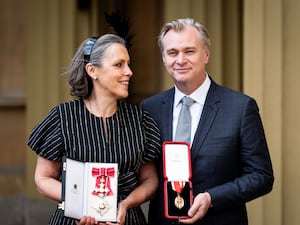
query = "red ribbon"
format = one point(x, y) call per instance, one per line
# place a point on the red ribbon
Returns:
point(102, 177)
point(103, 171)
point(178, 186)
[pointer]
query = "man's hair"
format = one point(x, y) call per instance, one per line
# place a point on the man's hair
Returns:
point(179, 25)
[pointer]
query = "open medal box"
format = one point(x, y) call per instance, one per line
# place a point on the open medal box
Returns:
point(89, 189)
point(178, 194)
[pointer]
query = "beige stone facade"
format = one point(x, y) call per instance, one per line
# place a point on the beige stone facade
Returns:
point(255, 49)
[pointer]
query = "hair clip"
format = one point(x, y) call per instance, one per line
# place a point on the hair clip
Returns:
point(88, 48)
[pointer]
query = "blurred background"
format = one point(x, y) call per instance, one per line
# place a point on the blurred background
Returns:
point(255, 50)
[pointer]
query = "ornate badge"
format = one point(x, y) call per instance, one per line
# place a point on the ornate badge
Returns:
point(102, 188)
point(178, 186)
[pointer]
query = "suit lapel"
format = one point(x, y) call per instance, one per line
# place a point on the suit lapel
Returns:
point(167, 115)
point(209, 113)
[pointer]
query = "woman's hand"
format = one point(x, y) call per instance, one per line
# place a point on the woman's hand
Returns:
point(148, 183)
point(88, 220)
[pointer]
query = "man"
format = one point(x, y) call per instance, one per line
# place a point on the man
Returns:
point(230, 159)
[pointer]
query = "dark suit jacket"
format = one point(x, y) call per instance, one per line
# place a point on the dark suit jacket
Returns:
point(230, 157)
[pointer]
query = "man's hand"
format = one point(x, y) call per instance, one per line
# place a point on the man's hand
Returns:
point(202, 203)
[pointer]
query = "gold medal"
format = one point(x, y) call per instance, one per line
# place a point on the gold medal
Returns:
point(178, 187)
point(179, 202)
point(101, 206)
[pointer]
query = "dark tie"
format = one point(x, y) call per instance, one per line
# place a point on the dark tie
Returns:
point(183, 130)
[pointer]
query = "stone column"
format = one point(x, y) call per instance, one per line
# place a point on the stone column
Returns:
point(262, 70)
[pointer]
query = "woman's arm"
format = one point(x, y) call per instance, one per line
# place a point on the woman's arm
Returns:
point(47, 173)
point(148, 183)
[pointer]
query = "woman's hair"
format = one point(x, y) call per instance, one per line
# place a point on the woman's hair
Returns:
point(179, 25)
point(80, 82)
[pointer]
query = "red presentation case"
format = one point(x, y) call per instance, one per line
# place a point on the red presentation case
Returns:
point(178, 193)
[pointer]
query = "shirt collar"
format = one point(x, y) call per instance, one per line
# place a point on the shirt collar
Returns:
point(199, 95)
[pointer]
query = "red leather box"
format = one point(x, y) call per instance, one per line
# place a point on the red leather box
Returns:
point(178, 194)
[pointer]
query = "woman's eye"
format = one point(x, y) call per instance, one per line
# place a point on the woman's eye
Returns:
point(118, 65)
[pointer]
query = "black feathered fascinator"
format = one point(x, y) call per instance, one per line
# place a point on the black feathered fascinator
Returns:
point(120, 25)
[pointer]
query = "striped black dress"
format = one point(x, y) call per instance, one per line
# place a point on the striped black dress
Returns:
point(71, 130)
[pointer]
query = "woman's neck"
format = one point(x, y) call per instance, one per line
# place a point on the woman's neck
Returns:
point(101, 107)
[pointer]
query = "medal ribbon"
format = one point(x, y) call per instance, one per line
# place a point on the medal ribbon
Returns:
point(102, 177)
point(178, 186)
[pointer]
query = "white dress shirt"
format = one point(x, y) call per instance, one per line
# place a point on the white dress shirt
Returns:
point(199, 96)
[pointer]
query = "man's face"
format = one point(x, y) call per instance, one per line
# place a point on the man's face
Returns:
point(185, 58)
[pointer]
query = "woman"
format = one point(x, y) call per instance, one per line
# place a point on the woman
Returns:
point(98, 127)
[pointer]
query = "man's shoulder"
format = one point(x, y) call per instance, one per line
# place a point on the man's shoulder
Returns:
point(159, 96)
point(229, 92)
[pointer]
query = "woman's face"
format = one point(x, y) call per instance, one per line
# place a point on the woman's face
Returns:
point(114, 74)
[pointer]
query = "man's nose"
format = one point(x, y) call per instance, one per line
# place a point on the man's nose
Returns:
point(181, 58)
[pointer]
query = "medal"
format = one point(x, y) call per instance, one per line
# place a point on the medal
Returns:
point(102, 188)
point(179, 202)
point(178, 186)
point(102, 206)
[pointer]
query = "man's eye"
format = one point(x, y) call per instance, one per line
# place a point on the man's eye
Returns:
point(172, 53)
point(189, 52)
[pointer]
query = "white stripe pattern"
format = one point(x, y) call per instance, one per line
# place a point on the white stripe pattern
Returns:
point(71, 130)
